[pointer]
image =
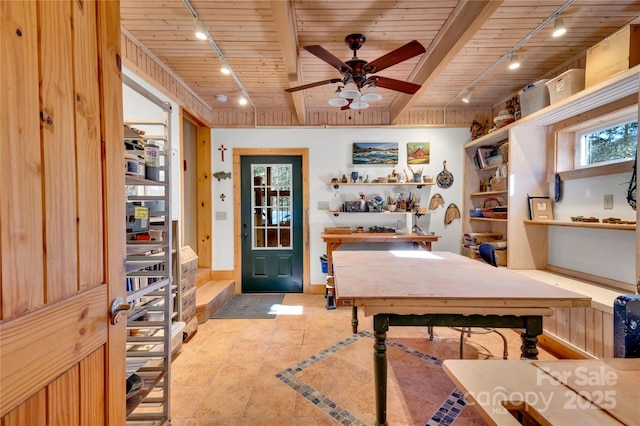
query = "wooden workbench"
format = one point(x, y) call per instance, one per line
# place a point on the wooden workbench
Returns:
point(334, 241)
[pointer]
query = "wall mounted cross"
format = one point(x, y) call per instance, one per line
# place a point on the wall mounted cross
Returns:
point(222, 149)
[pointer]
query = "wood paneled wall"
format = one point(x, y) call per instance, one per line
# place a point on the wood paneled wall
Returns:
point(588, 329)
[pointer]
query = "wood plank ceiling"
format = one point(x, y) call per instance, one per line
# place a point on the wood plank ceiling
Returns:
point(262, 42)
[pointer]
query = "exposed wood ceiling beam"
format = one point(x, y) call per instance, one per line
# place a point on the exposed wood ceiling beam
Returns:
point(284, 19)
point(466, 21)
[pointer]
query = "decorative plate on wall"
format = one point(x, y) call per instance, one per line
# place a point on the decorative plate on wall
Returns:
point(444, 178)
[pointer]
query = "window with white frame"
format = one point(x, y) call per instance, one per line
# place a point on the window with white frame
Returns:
point(607, 143)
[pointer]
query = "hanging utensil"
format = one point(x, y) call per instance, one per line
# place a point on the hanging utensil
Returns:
point(436, 201)
point(452, 213)
point(444, 178)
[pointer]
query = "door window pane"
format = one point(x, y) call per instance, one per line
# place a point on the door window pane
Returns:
point(272, 206)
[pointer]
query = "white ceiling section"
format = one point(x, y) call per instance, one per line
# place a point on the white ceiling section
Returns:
point(263, 41)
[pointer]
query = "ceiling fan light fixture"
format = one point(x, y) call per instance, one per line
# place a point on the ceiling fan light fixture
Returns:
point(350, 91)
point(466, 98)
point(558, 27)
point(514, 62)
point(201, 30)
point(371, 95)
point(358, 105)
point(337, 100)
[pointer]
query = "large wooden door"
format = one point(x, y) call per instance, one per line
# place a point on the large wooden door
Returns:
point(61, 213)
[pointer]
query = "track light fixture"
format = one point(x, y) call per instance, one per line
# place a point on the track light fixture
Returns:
point(242, 100)
point(224, 69)
point(514, 62)
point(467, 96)
point(201, 30)
point(558, 27)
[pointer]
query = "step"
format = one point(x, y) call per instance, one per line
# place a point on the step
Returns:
point(210, 296)
point(203, 276)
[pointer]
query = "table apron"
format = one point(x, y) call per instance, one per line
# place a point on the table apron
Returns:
point(531, 323)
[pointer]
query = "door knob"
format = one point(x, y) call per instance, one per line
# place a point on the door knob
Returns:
point(118, 307)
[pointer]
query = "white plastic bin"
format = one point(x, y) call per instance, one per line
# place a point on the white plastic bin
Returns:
point(533, 98)
point(565, 85)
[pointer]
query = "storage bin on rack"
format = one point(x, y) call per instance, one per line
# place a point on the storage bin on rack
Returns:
point(533, 97)
point(565, 85)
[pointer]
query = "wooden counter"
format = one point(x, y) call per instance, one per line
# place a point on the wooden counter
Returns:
point(334, 241)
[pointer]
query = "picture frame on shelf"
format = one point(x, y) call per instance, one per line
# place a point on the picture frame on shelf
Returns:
point(540, 208)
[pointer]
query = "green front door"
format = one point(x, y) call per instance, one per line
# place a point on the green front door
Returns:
point(272, 251)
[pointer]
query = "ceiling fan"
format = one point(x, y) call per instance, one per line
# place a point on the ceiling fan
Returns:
point(358, 71)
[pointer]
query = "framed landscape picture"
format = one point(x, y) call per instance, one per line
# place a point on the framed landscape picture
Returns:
point(375, 153)
point(418, 153)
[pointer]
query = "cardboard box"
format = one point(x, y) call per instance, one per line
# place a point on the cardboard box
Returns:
point(613, 55)
point(566, 84)
point(188, 305)
point(188, 265)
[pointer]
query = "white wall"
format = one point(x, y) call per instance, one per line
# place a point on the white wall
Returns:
point(137, 107)
point(330, 156)
point(606, 253)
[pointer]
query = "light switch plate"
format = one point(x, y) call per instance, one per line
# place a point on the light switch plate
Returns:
point(221, 215)
point(608, 201)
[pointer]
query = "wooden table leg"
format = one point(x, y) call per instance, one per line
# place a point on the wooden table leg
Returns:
point(529, 337)
point(354, 319)
point(380, 327)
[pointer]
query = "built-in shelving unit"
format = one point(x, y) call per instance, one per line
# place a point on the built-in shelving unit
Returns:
point(528, 158)
point(150, 288)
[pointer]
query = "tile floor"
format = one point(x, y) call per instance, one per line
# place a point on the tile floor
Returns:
point(308, 368)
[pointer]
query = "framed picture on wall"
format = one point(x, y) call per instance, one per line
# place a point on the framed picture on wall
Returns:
point(418, 153)
point(373, 153)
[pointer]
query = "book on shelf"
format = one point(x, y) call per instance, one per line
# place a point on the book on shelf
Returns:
point(483, 153)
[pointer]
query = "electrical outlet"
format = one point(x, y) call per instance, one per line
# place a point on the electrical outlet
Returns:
point(323, 205)
point(608, 201)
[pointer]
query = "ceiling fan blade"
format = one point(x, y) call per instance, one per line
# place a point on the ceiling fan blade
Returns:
point(408, 51)
point(397, 85)
point(328, 57)
point(317, 83)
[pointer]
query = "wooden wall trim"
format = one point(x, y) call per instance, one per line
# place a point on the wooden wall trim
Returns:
point(144, 63)
point(415, 117)
point(203, 193)
point(31, 356)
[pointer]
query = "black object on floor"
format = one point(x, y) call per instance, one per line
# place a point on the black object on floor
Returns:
point(249, 306)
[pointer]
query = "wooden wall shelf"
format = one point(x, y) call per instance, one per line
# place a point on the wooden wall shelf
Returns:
point(597, 225)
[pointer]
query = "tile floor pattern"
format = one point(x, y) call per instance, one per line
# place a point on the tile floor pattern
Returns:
point(310, 369)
